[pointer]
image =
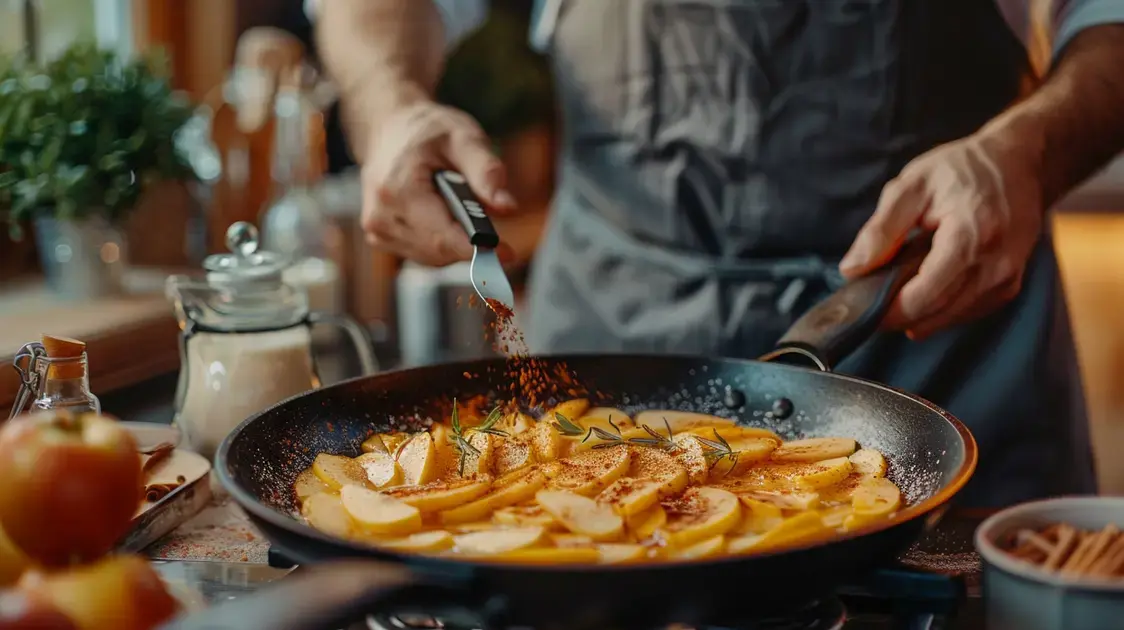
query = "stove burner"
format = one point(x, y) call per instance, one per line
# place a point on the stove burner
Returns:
point(826, 614)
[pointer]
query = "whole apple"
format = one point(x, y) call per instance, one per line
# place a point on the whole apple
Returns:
point(69, 485)
point(115, 593)
point(12, 561)
point(23, 611)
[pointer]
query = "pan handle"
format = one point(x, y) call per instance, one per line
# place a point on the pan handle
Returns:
point(838, 325)
point(325, 597)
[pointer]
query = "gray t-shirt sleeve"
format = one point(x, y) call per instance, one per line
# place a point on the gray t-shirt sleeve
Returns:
point(1066, 18)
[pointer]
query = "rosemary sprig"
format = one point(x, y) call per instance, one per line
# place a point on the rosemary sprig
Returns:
point(459, 435)
point(658, 440)
point(566, 426)
point(607, 439)
point(719, 449)
point(489, 424)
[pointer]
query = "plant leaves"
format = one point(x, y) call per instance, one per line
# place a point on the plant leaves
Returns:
point(86, 132)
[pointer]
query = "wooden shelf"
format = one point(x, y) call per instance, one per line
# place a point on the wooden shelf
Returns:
point(129, 339)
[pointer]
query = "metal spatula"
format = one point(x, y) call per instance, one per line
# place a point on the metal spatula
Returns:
point(488, 277)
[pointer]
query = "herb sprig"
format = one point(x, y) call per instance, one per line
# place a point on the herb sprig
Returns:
point(609, 439)
point(567, 427)
point(658, 440)
point(719, 449)
point(459, 435)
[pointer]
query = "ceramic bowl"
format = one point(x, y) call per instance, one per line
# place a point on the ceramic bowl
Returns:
point(1021, 596)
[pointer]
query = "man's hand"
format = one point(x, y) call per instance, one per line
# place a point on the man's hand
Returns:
point(402, 211)
point(982, 200)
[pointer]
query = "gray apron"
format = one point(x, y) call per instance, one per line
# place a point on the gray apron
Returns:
point(719, 157)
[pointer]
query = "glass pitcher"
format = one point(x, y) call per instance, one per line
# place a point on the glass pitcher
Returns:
point(245, 341)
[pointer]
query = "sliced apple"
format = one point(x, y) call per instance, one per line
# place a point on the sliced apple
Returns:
point(440, 495)
point(691, 455)
point(835, 516)
point(326, 513)
point(385, 443)
point(498, 541)
point(308, 484)
point(517, 423)
point(840, 493)
point(792, 476)
point(679, 421)
point(524, 516)
point(478, 462)
point(582, 515)
point(814, 449)
point(749, 451)
point(628, 496)
point(571, 540)
point(824, 473)
point(876, 496)
point(591, 441)
point(600, 416)
point(436, 540)
point(645, 524)
point(546, 442)
point(708, 548)
point(476, 526)
point(758, 517)
point(378, 513)
point(804, 528)
point(504, 493)
point(337, 471)
point(381, 469)
point(787, 501)
point(571, 409)
point(659, 466)
point(511, 454)
point(554, 555)
point(859, 520)
point(868, 462)
point(589, 473)
point(735, 432)
point(620, 553)
point(700, 513)
point(418, 460)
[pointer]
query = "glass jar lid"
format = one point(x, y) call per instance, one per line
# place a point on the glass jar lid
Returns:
point(245, 264)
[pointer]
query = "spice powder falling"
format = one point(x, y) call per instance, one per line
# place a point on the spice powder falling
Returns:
point(530, 380)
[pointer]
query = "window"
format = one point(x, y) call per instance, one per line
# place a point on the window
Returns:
point(51, 26)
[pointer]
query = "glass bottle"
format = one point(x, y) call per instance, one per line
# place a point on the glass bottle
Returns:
point(293, 224)
point(72, 394)
point(53, 383)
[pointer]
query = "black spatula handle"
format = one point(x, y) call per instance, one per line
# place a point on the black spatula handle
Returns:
point(467, 208)
point(838, 325)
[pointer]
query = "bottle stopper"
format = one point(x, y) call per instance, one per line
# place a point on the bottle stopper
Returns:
point(64, 348)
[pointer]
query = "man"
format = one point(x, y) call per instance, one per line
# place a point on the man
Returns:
point(721, 157)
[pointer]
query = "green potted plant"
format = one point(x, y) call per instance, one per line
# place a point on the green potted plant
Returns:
point(81, 138)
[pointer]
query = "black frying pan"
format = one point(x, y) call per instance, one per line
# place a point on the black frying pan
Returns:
point(932, 456)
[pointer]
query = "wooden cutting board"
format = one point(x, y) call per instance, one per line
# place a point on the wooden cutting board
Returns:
point(155, 520)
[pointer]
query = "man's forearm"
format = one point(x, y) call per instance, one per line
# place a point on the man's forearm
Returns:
point(382, 54)
point(1074, 122)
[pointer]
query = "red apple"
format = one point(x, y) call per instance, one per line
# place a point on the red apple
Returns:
point(115, 593)
point(69, 485)
point(24, 611)
point(12, 562)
